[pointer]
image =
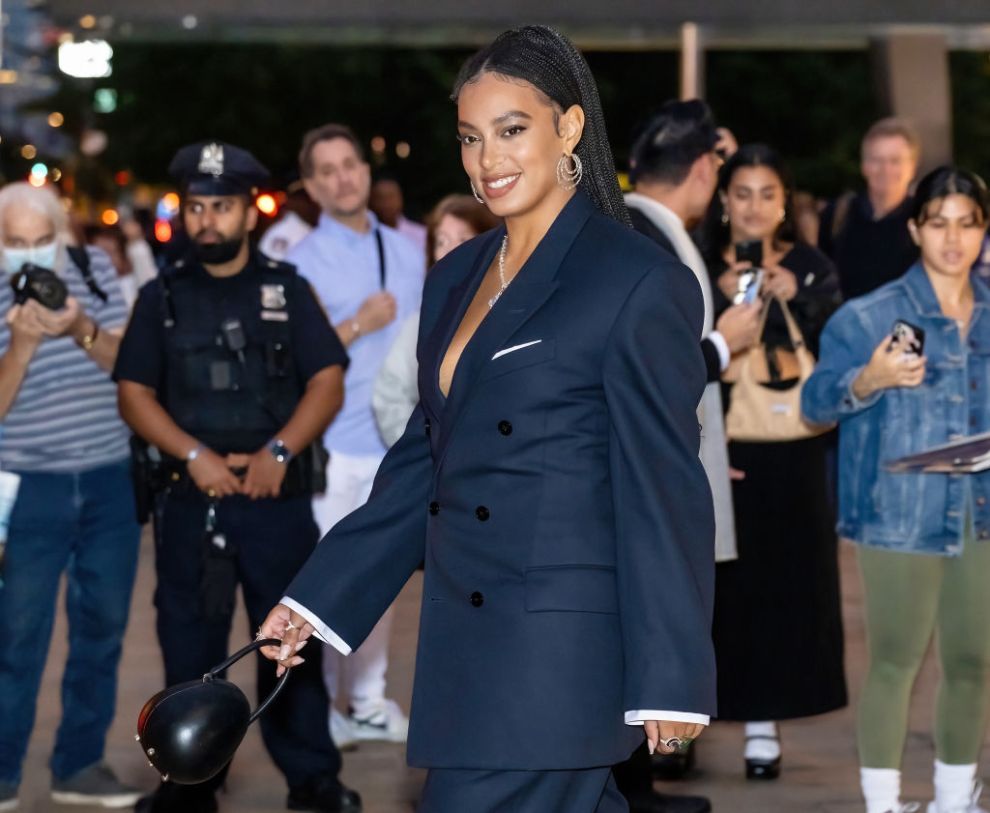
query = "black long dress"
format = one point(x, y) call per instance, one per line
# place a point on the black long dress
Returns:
point(778, 626)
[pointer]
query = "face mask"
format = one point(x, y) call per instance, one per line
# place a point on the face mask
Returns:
point(43, 256)
point(218, 253)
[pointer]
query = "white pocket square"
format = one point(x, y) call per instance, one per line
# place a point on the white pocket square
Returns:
point(514, 348)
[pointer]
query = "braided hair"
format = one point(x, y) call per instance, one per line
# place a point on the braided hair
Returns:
point(548, 61)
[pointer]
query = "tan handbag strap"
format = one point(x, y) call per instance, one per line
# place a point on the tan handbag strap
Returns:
point(793, 331)
point(797, 339)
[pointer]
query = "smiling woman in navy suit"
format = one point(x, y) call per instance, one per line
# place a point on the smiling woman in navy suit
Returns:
point(549, 476)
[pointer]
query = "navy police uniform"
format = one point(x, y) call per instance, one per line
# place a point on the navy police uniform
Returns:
point(229, 359)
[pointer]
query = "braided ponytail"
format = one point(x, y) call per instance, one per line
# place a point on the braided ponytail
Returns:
point(549, 61)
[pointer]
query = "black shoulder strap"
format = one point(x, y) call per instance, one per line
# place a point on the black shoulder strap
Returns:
point(81, 259)
point(381, 258)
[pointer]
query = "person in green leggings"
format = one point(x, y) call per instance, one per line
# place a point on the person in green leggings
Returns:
point(924, 539)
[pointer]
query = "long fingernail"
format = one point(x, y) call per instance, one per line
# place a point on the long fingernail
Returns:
point(284, 652)
point(652, 746)
point(301, 644)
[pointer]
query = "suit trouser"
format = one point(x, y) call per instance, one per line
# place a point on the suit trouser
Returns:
point(273, 539)
point(591, 790)
point(362, 674)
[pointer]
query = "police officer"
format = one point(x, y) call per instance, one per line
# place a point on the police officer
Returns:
point(231, 371)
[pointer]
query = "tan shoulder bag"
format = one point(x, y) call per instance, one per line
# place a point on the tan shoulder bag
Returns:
point(759, 413)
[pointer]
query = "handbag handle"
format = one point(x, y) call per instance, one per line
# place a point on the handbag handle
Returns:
point(793, 331)
point(212, 674)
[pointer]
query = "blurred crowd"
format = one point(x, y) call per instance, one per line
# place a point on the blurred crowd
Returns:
point(843, 334)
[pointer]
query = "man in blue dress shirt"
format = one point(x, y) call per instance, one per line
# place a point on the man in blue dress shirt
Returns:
point(369, 278)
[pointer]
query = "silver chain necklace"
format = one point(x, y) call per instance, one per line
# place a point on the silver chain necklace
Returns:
point(501, 272)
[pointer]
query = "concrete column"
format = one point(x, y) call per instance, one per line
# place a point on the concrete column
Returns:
point(911, 74)
point(692, 62)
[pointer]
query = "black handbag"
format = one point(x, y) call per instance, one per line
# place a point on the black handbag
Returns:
point(189, 732)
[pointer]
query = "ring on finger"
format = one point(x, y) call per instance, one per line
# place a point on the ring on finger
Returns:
point(290, 626)
point(677, 744)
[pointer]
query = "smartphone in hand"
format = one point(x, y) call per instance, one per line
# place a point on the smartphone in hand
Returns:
point(750, 251)
point(909, 338)
point(750, 283)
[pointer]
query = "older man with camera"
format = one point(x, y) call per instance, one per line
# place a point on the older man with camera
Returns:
point(74, 507)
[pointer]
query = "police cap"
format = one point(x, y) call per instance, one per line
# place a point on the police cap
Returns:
point(216, 168)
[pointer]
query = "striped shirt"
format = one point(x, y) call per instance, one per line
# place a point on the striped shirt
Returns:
point(64, 417)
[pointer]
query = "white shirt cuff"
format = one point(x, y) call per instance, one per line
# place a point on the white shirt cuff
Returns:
point(724, 356)
point(322, 631)
point(640, 716)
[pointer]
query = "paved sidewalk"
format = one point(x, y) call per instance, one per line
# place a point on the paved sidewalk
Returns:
point(820, 772)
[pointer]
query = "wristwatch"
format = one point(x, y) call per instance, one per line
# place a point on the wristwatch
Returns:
point(87, 341)
point(193, 453)
point(279, 451)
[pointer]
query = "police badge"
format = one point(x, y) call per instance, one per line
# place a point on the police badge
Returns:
point(273, 297)
point(211, 160)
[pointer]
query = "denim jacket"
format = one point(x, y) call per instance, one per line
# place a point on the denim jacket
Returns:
point(916, 513)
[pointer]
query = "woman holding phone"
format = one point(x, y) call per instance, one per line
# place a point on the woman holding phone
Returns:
point(924, 539)
point(777, 610)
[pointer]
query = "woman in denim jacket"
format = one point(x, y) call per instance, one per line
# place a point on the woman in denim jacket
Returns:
point(924, 538)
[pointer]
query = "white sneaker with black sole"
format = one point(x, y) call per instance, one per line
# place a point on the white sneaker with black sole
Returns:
point(384, 722)
point(340, 731)
point(96, 786)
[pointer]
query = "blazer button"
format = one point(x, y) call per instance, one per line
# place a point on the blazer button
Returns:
point(426, 427)
point(482, 513)
point(434, 508)
point(504, 427)
point(477, 599)
point(981, 501)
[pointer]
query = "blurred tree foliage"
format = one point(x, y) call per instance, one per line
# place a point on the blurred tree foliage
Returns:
point(812, 105)
point(971, 110)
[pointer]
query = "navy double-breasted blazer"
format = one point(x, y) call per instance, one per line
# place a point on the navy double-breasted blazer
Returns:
point(558, 501)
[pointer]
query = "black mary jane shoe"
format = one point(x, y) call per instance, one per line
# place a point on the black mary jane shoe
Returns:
point(762, 768)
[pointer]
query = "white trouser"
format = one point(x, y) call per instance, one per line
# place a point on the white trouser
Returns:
point(362, 675)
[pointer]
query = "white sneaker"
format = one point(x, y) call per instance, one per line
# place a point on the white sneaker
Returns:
point(340, 731)
point(972, 807)
point(385, 723)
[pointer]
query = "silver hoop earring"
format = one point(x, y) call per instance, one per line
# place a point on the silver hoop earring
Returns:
point(725, 218)
point(477, 197)
point(569, 176)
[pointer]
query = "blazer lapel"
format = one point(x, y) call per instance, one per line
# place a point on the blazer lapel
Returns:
point(451, 313)
point(532, 286)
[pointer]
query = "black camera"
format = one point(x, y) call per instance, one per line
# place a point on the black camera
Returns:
point(41, 284)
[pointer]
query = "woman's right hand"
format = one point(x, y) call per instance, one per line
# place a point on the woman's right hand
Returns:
point(211, 475)
point(292, 630)
point(889, 367)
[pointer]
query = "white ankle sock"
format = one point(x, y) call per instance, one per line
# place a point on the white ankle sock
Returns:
point(953, 786)
point(762, 748)
point(881, 789)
